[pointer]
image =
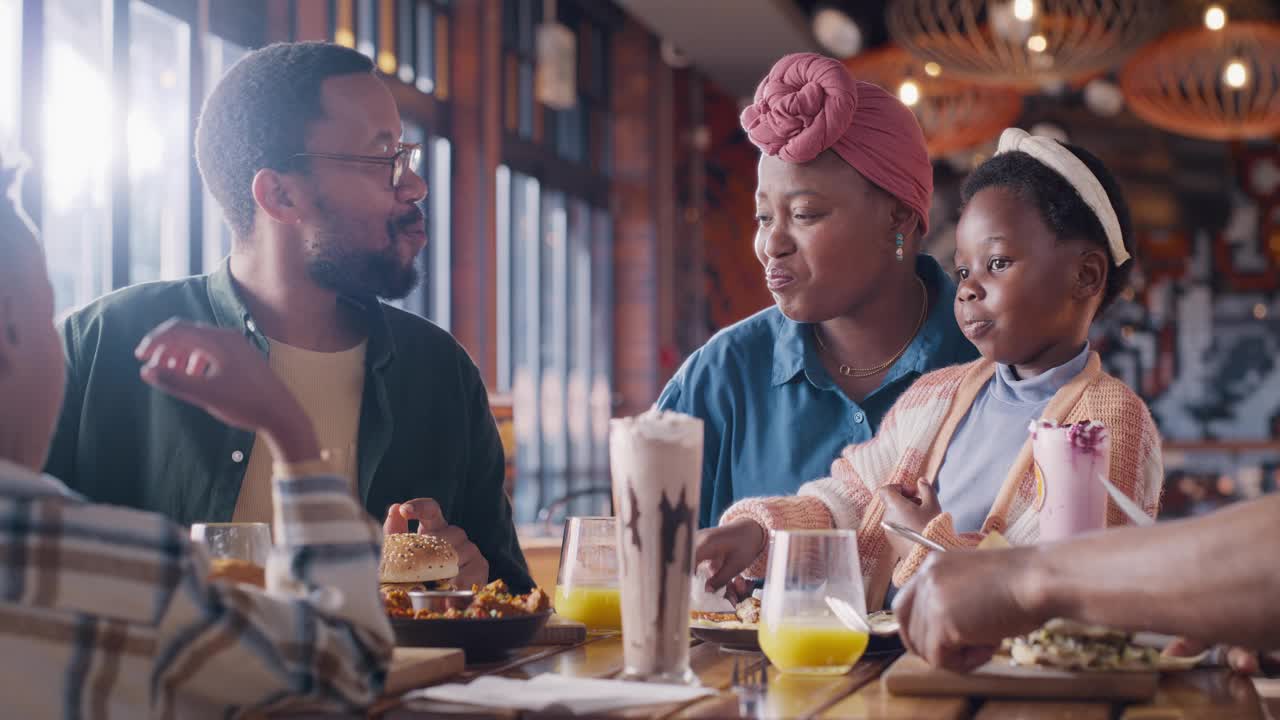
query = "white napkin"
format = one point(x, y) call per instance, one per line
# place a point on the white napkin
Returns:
point(559, 693)
point(701, 600)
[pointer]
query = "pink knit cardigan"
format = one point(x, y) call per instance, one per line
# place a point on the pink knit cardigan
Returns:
point(911, 444)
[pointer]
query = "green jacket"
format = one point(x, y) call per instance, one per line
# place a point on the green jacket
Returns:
point(425, 425)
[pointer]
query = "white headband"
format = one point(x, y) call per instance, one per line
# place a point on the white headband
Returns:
point(1062, 161)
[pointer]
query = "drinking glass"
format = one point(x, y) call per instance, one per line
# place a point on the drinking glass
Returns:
point(799, 631)
point(587, 584)
point(250, 542)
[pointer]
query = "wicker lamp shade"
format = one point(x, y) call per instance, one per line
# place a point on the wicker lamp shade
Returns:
point(1024, 43)
point(954, 113)
point(1217, 85)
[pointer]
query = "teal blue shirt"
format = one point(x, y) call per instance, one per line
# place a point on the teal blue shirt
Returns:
point(774, 418)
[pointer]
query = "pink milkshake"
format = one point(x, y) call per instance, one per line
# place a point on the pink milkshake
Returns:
point(1067, 462)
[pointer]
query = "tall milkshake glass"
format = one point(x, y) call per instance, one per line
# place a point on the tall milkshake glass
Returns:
point(1068, 461)
point(656, 462)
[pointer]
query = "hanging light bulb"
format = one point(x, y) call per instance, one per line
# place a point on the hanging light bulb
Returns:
point(1103, 97)
point(1037, 43)
point(1215, 18)
point(837, 33)
point(1024, 10)
point(909, 93)
point(932, 69)
point(1236, 75)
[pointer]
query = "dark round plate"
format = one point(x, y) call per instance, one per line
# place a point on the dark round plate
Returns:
point(748, 640)
point(482, 639)
point(884, 645)
point(729, 638)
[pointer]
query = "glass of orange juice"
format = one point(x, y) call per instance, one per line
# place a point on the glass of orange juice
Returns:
point(799, 632)
point(587, 584)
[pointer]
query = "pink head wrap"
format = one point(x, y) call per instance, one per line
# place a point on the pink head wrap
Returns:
point(809, 103)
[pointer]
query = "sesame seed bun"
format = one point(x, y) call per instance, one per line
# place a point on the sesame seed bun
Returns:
point(415, 558)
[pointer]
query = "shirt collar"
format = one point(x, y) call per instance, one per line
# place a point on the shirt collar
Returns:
point(17, 481)
point(1039, 389)
point(793, 349)
point(231, 312)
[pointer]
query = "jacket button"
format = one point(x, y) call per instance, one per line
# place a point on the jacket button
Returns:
point(253, 328)
point(237, 456)
point(859, 417)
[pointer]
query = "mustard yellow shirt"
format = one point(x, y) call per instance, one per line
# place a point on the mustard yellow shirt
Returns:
point(329, 386)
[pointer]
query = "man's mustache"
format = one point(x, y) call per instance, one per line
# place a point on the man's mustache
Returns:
point(410, 219)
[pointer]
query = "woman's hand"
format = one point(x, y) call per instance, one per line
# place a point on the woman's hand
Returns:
point(217, 370)
point(909, 509)
point(729, 549)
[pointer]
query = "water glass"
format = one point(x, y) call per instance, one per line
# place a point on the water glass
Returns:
point(250, 542)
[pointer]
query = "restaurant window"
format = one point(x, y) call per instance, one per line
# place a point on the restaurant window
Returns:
point(367, 27)
point(555, 339)
point(407, 39)
point(158, 144)
point(76, 161)
point(10, 75)
point(220, 55)
point(520, 20)
point(431, 297)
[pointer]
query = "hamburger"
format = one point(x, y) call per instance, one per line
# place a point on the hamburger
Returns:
point(412, 561)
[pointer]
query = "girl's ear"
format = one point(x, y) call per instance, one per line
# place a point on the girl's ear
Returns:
point(1091, 274)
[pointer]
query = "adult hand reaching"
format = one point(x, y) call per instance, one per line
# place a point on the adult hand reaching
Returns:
point(961, 604)
point(473, 569)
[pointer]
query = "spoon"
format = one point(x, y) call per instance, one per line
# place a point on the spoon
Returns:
point(911, 535)
point(884, 624)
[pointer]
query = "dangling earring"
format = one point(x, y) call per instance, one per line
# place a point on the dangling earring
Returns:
point(897, 239)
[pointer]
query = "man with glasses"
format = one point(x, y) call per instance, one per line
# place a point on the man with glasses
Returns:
point(299, 145)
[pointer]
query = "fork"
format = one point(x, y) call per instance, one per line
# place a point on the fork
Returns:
point(750, 683)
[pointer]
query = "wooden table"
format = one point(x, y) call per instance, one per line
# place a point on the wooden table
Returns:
point(1196, 695)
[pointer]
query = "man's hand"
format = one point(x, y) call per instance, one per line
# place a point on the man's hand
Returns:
point(473, 569)
point(729, 549)
point(961, 604)
point(913, 508)
point(217, 370)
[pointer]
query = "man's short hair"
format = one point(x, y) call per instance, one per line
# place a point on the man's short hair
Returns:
point(258, 116)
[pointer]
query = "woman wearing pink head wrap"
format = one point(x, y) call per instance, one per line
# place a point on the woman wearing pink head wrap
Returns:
point(844, 186)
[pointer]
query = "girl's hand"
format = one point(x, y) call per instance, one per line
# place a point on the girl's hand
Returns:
point(911, 509)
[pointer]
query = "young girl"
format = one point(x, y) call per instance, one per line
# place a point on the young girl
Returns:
point(1043, 245)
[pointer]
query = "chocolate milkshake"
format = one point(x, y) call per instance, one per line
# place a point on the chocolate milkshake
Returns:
point(656, 462)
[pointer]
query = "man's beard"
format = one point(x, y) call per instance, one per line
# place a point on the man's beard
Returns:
point(333, 264)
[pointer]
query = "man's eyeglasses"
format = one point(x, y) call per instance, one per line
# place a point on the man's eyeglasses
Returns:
point(407, 156)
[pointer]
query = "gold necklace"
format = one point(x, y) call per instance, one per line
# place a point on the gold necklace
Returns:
point(853, 372)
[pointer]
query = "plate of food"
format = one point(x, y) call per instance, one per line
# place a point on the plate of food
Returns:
point(737, 630)
point(416, 582)
point(1068, 645)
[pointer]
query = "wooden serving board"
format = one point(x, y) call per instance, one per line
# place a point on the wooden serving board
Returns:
point(560, 631)
point(911, 675)
point(415, 667)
